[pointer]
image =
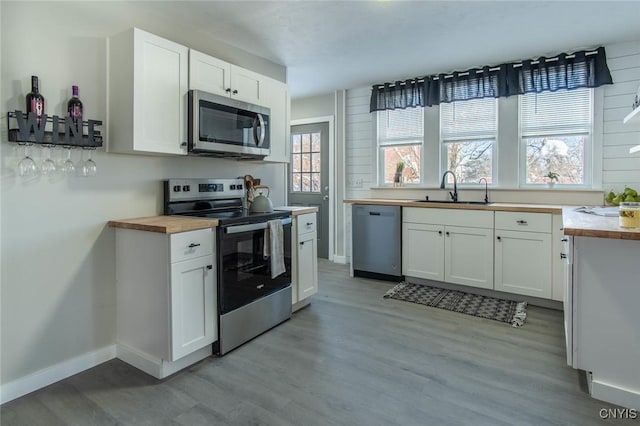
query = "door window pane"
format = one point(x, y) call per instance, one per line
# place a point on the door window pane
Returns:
point(306, 162)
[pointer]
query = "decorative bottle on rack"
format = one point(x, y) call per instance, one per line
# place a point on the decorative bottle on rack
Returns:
point(35, 101)
point(74, 108)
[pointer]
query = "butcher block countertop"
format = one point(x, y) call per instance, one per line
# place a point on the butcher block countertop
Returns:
point(581, 224)
point(297, 210)
point(165, 224)
point(505, 207)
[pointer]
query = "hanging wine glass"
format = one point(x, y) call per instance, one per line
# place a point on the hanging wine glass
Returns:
point(27, 167)
point(68, 168)
point(48, 166)
point(89, 168)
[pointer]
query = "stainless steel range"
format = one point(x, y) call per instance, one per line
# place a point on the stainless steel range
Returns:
point(250, 301)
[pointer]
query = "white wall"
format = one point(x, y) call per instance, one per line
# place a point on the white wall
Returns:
point(58, 270)
point(619, 168)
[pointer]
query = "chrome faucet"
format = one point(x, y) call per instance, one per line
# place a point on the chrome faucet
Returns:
point(486, 190)
point(454, 194)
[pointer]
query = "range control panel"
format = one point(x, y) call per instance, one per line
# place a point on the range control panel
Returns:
point(203, 189)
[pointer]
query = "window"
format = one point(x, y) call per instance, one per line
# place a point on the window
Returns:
point(555, 133)
point(400, 138)
point(468, 132)
point(305, 164)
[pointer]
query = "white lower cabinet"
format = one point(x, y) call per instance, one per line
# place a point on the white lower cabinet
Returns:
point(423, 251)
point(523, 248)
point(304, 259)
point(438, 245)
point(468, 258)
point(166, 299)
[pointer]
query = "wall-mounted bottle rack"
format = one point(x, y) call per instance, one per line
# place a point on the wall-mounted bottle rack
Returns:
point(53, 130)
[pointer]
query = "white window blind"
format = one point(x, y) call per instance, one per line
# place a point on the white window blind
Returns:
point(400, 126)
point(469, 120)
point(556, 113)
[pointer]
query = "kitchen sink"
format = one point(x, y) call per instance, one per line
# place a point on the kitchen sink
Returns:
point(477, 203)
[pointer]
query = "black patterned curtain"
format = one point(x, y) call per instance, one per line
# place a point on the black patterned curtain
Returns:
point(565, 71)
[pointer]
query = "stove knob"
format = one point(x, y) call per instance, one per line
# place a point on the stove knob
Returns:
point(232, 187)
point(186, 188)
point(238, 186)
point(176, 188)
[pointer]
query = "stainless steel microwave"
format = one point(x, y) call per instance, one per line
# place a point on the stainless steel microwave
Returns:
point(224, 127)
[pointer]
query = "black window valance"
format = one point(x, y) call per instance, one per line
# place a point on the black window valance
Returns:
point(564, 71)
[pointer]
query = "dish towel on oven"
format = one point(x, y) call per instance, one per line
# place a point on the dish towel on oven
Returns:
point(274, 246)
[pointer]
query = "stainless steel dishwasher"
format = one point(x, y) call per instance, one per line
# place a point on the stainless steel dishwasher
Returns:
point(377, 241)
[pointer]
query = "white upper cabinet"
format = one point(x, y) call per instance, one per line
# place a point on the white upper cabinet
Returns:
point(209, 74)
point(216, 76)
point(148, 84)
point(279, 102)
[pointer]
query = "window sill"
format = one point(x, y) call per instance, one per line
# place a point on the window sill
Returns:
point(491, 188)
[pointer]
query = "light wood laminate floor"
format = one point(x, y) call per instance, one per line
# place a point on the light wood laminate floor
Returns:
point(350, 358)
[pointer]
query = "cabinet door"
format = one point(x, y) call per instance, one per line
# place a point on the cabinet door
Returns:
point(469, 256)
point(422, 251)
point(247, 86)
point(160, 85)
point(307, 265)
point(278, 101)
point(523, 263)
point(209, 74)
point(193, 306)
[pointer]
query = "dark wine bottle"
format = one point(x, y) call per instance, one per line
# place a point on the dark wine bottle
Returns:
point(74, 108)
point(35, 101)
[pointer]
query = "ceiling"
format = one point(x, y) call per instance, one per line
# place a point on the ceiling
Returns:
point(330, 45)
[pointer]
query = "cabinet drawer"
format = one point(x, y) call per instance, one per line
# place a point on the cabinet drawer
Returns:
point(530, 222)
point(192, 244)
point(306, 223)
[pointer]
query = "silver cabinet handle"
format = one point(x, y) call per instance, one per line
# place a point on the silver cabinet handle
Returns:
point(192, 245)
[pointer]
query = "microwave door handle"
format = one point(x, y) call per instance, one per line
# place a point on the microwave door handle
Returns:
point(259, 139)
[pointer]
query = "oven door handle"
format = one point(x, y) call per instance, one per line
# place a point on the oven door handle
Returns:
point(252, 226)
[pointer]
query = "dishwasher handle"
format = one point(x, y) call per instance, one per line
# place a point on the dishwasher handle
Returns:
point(374, 213)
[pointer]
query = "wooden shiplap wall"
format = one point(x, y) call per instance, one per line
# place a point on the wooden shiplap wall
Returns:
point(619, 168)
point(360, 140)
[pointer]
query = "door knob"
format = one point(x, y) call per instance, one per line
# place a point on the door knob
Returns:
point(326, 197)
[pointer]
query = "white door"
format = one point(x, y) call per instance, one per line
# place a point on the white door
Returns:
point(193, 306)
point(160, 91)
point(247, 86)
point(469, 256)
point(523, 263)
point(279, 103)
point(307, 265)
point(422, 251)
point(209, 74)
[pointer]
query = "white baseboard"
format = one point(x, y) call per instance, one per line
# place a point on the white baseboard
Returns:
point(629, 398)
point(340, 259)
point(157, 367)
point(55, 373)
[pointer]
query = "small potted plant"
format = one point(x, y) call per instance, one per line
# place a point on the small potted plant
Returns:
point(397, 178)
point(553, 178)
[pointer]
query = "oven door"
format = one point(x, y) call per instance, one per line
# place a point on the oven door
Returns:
point(244, 272)
point(218, 124)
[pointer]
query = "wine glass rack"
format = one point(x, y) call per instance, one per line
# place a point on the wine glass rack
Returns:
point(53, 130)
